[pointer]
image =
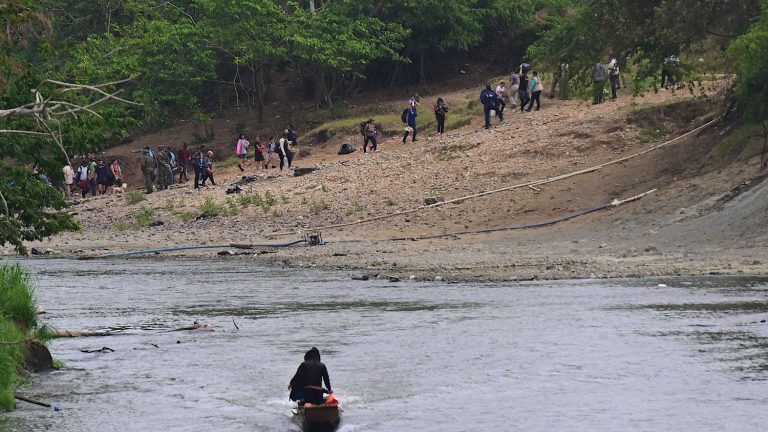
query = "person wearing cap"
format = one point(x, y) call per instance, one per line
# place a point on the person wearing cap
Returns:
point(207, 168)
point(148, 166)
point(490, 103)
point(500, 93)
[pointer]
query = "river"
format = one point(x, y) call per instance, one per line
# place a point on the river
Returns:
point(593, 355)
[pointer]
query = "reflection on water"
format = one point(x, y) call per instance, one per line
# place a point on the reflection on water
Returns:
point(599, 355)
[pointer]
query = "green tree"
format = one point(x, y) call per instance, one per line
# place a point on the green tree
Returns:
point(750, 55)
point(332, 45)
point(250, 35)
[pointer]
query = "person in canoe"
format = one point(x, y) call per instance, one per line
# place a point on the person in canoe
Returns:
point(306, 385)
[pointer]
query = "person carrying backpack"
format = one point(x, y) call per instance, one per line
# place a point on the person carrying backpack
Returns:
point(207, 168)
point(613, 75)
point(490, 103)
point(598, 83)
point(82, 178)
point(148, 165)
point(409, 118)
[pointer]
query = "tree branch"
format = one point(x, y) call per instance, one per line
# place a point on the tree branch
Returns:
point(5, 205)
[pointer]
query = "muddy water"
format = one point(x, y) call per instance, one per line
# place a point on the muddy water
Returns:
point(559, 356)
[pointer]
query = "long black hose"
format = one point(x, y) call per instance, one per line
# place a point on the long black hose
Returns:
point(508, 228)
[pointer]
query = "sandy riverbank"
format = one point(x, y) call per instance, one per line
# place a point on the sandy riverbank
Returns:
point(691, 224)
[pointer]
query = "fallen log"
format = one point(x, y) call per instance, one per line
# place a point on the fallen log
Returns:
point(32, 401)
point(79, 333)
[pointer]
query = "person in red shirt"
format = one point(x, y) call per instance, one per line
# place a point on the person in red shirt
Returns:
point(182, 158)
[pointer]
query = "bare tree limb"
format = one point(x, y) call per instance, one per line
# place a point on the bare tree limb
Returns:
point(5, 205)
point(22, 132)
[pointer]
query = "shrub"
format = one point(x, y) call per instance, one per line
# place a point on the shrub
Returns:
point(318, 207)
point(134, 197)
point(355, 208)
point(17, 300)
point(209, 208)
point(18, 323)
point(144, 217)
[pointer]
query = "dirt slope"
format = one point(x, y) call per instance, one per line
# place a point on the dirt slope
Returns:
point(672, 231)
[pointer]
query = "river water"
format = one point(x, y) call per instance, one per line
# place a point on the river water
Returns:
point(596, 355)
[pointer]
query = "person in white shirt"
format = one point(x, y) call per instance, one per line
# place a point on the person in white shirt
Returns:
point(69, 179)
point(500, 92)
point(613, 75)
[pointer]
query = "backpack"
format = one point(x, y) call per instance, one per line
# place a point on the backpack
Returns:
point(404, 116)
point(346, 149)
point(362, 128)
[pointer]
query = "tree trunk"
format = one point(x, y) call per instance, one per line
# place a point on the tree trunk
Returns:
point(395, 73)
point(421, 70)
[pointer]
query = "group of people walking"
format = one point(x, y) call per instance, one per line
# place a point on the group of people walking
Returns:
point(92, 176)
point(159, 167)
point(264, 154)
point(599, 74)
point(526, 87)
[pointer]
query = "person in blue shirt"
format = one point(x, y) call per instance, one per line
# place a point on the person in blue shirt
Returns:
point(490, 102)
point(411, 122)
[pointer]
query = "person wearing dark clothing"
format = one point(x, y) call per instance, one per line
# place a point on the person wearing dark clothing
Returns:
point(536, 89)
point(410, 118)
point(196, 162)
point(293, 136)
point(490, 103)
point(369, 132)
point(440, 110)
point(306, 384)
point(598, 83)
point(183, 159)
point(524, 90)
point(668, 68)
point(207, 169)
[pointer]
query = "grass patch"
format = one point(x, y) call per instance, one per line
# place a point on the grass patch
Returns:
point(232, 207)
point(18, 323)
point(209, 208)
point(266, 202)
point(17, 300)
point(354, 208)
point(318, 207)
point(185, 215)
point(144, 217)
point(122, 226)
point(169, 205)
point(227, 163)
point(391, 202)
point(134, 197)
point(746, 140)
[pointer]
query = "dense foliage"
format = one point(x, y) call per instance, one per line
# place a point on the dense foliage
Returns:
point(18, 323)
point(639, 33)
point(189, 57)
point(750, 53)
